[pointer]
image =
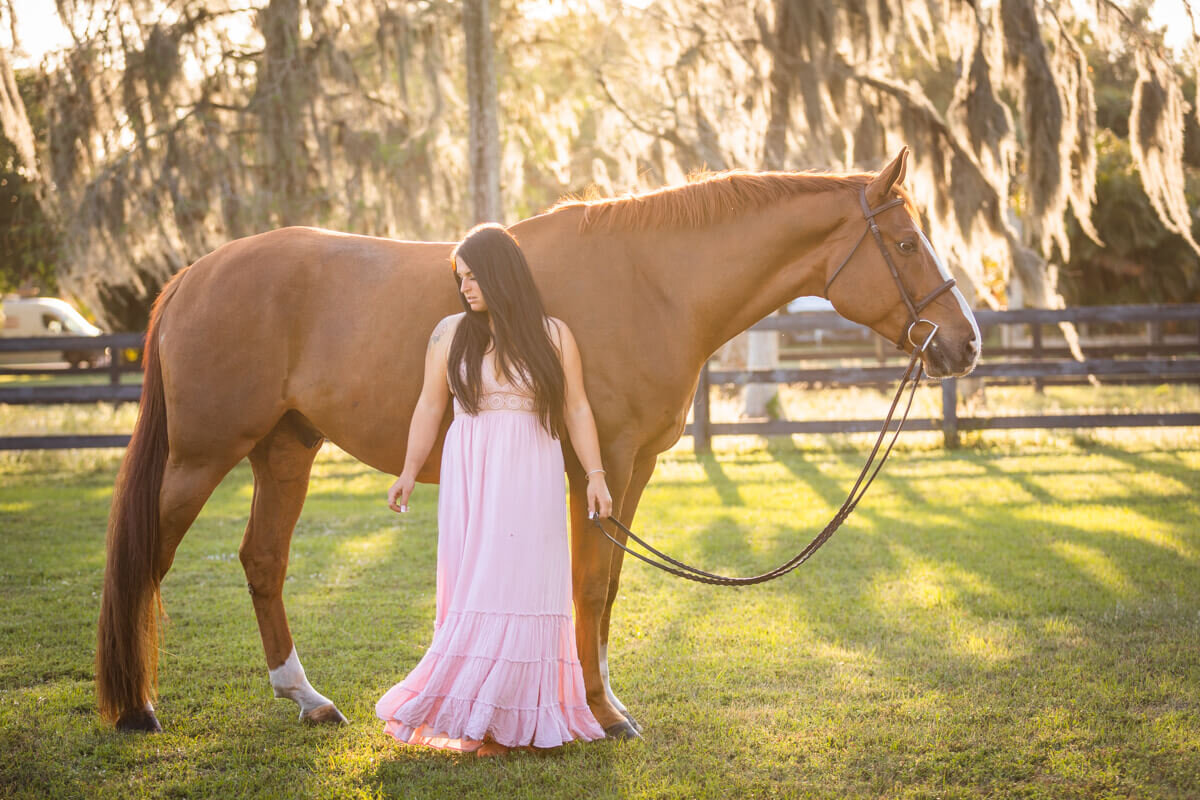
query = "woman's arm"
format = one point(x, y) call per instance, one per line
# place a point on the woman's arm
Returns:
point(581, 425)
point(427, 417)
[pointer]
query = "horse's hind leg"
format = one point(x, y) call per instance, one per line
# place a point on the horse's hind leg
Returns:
point(282, 463)
point(186, 487)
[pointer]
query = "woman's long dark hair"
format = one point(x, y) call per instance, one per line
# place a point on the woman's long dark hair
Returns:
point(524, 350)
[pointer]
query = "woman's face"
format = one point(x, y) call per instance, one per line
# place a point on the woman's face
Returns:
point(470, 287)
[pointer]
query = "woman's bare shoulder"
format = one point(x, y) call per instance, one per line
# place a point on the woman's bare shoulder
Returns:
point(445, 326)
point(561, 337)
point(557, 328)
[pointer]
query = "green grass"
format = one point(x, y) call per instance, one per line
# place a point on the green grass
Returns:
point(1014, 619)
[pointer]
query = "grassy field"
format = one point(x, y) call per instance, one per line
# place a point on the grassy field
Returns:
point(1020, 618)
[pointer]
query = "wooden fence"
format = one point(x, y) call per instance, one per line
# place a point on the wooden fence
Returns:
point(108, 389)
point(1169, 352)
point(1156, 357)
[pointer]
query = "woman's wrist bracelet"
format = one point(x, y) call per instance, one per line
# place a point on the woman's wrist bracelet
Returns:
point(593, 472)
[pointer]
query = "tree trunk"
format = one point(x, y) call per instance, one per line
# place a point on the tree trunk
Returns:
point(280, 99)
point(484, 137)
point(762, 347)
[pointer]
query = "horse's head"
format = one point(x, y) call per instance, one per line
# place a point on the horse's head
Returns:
point(893, 282)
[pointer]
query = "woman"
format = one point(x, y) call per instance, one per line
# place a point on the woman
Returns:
point(502, 670)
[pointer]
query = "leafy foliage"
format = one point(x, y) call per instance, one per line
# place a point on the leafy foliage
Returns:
point(28, 238)
point(1141, 261)
point(28, 241)
point(170, 130)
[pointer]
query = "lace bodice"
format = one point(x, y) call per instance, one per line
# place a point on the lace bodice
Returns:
point(497, 396)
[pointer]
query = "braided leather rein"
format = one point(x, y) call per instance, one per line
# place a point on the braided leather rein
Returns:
point(911, 378)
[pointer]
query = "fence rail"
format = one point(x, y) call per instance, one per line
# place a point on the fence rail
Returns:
point(119, 341)
point(114, 345)
point(111, 391)
point(1155, 358)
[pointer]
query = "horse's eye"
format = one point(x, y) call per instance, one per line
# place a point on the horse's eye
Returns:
point(908, 247)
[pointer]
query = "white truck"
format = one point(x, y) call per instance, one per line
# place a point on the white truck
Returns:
point(50, 317)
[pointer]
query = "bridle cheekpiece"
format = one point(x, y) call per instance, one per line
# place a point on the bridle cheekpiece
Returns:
point(915, 307)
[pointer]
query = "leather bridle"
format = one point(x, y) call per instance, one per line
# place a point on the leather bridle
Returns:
point(911, 379)
point(915, 307)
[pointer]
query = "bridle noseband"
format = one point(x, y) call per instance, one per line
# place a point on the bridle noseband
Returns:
point(915, 307)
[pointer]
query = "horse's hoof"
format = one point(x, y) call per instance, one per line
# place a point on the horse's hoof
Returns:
point(629, 718)
point(322, 715)
point(621, 731)
point(140, 721)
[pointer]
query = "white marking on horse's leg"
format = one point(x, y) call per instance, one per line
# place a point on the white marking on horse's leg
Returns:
point(288, 680)
point(612, 698)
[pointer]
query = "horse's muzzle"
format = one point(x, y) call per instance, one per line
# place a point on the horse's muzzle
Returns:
point(947, 357)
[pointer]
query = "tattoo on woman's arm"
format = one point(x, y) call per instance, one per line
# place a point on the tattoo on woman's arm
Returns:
point(437, 333)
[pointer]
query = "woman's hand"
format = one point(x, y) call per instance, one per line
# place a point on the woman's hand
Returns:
point(400, 491)
point(599, 501)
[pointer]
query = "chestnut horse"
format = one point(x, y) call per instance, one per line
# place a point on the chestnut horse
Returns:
point(276, 342)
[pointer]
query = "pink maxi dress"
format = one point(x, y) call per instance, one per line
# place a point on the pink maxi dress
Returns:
point(503, 661)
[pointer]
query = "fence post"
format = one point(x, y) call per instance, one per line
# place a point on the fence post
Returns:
point(950, 413)
point(115, 359)
point(702, 441)
point(1036, 332)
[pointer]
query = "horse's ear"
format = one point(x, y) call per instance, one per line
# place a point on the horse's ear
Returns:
point(880, 188)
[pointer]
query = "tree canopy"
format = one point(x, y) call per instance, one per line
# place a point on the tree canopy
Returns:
point(1045, 141)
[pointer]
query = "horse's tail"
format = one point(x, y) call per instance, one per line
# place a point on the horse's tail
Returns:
point(127, 636)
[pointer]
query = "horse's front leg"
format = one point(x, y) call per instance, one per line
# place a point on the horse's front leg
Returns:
point(282, 463)
point(642, 471)
point(591, 559)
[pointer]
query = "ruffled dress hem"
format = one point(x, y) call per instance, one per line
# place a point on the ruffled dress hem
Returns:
point(515, 678)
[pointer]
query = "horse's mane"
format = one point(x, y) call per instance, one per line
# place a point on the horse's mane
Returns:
point(704, 199)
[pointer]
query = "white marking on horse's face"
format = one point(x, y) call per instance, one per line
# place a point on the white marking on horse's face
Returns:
point(288, 680)
point(962, 301)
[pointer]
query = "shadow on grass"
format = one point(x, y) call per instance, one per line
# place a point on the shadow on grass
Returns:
point(1175, 470)
point(947, 600)
point(726, 489)
point(985, 638)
